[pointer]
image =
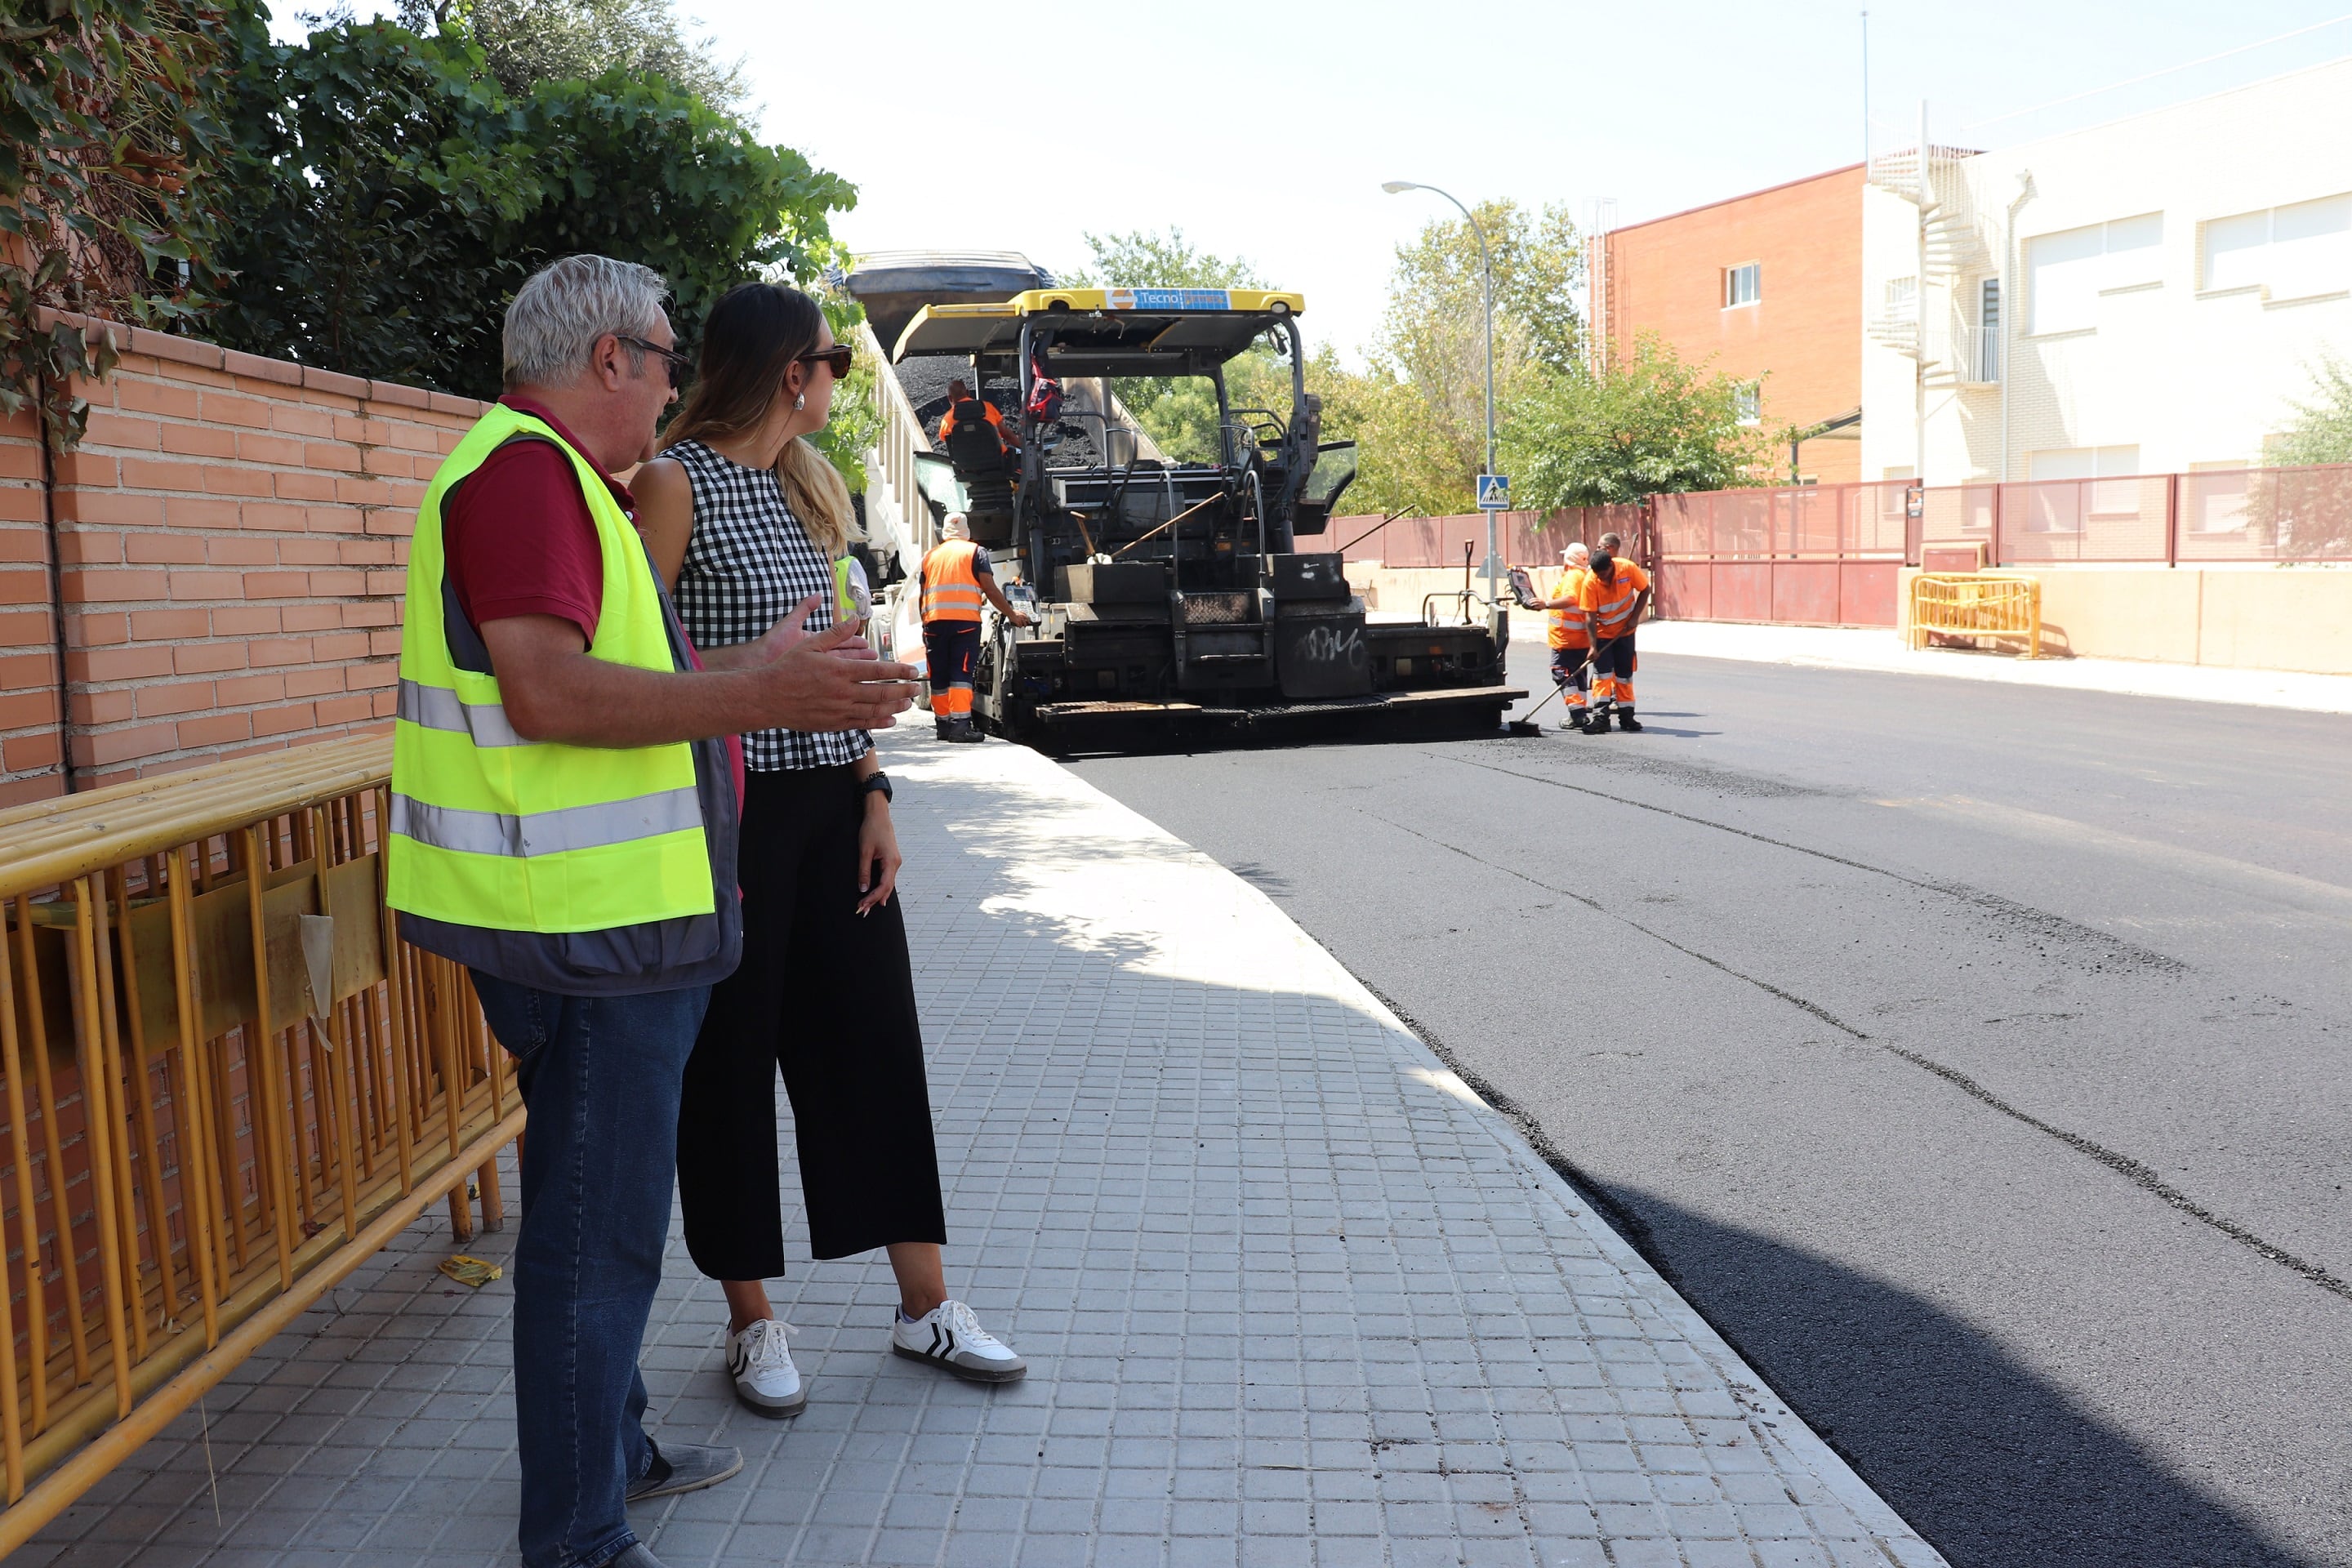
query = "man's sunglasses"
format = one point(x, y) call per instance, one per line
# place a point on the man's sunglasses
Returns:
point(680, 366)
point(839, 357)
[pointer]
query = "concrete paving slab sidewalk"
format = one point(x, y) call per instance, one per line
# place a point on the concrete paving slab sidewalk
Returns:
point(1293, 1296)
point(1855, 647)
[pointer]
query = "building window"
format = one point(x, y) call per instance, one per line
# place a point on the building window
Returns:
point(2290, 253)
point(1987, 344)
point(2061, 508)
point(2066, 272)
point(1743, 285)
point(1748, 402)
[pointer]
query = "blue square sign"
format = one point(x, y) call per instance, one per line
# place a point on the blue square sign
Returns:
point(1494, 492)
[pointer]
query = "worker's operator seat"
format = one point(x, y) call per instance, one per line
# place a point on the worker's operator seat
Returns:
point(973, 446)
point(977, 454)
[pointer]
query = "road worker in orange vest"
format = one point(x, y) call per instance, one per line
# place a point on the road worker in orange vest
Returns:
point(958, 395)
point(1572, 644)
point(1613, 594)
point(957, 578)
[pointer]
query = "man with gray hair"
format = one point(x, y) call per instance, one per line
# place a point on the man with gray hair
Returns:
point(565, 794)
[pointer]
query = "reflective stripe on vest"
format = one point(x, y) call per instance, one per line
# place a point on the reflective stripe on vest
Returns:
point(492, 829)
point(951, 587)
point(432, 708)
point(546, 832)
point(1611, 612)
point(1568, 620)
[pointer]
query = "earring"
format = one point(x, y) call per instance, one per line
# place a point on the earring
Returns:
point(800, 402)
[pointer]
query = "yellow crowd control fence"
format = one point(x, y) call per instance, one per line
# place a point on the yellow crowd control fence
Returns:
point(225, 1081)
point(1975, 604)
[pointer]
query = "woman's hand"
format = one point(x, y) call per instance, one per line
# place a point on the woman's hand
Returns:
point(877, 855)
point(782, 638)
point(793, 630)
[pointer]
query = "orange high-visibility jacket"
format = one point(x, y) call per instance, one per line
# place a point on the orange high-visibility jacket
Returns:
point(1566, 625)
point(1609, 607)
point(994, 415)
point(951, 586)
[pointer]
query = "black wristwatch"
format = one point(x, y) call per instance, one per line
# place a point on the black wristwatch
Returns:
point(877, 784)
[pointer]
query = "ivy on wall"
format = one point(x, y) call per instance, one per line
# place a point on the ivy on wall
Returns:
point(105, 128)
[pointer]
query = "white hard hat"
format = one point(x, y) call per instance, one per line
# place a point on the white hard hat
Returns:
point(1576, 548)
point(955, 527)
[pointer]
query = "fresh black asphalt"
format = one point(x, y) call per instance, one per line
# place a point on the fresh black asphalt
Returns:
point(1978, 1057)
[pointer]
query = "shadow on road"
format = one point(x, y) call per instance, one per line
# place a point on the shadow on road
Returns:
point(1991, 1461)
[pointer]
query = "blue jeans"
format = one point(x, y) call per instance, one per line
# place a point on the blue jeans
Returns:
point(599, 1077)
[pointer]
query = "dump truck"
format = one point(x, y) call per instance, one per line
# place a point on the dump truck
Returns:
point(1173, 600)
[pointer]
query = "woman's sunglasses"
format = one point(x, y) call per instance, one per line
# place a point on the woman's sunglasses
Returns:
point(680, 366)
point(839, 358)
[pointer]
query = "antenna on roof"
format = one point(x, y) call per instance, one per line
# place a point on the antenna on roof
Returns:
point(1865, 94)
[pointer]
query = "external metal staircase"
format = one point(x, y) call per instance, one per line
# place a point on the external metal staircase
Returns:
point(1950, 248)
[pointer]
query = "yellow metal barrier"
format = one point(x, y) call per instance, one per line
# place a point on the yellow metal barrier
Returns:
point(1977, 604)
point(227, 1082)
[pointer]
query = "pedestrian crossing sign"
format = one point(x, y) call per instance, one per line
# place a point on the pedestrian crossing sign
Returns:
point(1494, 492)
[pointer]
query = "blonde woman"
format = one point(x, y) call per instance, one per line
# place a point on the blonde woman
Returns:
point(744, 519)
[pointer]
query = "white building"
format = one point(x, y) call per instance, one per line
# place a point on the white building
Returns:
point(2148, 296)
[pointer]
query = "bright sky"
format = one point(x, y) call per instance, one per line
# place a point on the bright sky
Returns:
point(1266, 131)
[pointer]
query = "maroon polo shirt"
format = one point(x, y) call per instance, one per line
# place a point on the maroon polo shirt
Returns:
point(519, 538)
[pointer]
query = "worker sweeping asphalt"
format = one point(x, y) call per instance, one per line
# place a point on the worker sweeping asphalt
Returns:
point(1613, 594)
point(1571, 638)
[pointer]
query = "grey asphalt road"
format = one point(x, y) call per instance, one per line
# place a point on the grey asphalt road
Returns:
point(1978, 1058)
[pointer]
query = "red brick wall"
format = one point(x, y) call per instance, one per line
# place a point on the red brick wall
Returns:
point(1802, 338)
point(29, 668)
point(232, 538)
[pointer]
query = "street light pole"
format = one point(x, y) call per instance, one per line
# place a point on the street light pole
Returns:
point(1495, 623)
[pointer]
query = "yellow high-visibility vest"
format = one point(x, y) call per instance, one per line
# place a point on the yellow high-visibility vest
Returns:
point(490, 829)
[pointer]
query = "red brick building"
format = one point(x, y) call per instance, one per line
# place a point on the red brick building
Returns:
point(1766, 288)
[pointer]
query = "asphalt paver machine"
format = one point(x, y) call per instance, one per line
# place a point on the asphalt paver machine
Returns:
point(1177, 601)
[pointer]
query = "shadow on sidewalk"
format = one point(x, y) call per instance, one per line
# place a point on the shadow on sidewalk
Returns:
point(1995, 1465)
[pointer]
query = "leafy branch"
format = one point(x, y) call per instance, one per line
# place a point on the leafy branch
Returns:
point(106, 121)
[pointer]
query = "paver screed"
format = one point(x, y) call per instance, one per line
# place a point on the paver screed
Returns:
point(1292, 1295)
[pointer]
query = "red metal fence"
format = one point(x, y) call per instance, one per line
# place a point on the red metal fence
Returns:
point(1830, 554)
point(1526, 538)
point(2230, 514)
point(1819, 556)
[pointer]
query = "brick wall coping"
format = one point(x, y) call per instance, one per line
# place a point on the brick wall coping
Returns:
point(129, 339)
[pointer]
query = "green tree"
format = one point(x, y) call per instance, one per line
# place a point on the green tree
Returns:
point(2322, 431)
point(392, 194)
point(1404, 460)
point(372, 197)
point(107, 124)
point(1653, 424)
point(526, 42)
point(1432, 340)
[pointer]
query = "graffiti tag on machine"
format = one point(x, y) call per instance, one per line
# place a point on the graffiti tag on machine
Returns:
point(1332, 645)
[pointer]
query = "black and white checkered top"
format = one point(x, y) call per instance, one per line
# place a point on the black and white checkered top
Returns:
point(748, 562)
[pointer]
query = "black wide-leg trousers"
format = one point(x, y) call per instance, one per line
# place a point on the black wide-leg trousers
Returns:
point(828, 997)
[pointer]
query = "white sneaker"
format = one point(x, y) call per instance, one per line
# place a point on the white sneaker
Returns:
point(762, 1365)
point(950, 1338)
